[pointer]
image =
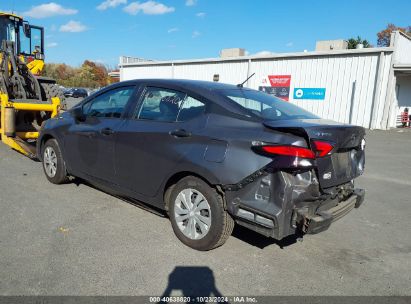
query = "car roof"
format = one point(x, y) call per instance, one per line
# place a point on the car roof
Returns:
point(185, 83)
point(203, 88)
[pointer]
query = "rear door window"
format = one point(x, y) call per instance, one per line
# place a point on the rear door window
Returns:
point(168, 105)
point(160, 104)
point(191, 108)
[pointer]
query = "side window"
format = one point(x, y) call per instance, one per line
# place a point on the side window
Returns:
point(160, 104)
point(36, 37)
point(110, 104)
point(25, 46)
point(191, 108)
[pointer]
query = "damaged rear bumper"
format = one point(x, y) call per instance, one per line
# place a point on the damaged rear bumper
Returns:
point(278, 204)
point(320, 221)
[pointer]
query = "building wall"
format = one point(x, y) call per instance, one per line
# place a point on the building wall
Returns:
point(337, 72)
point(384, 95)
point(338, 75)
point(403, 45)
point(229, 72)
point(162, 71)
point(403, 92)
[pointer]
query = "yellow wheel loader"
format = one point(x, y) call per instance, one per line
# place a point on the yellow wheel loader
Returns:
point(27, 99)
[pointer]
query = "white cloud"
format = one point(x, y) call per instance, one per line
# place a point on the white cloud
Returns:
point(148, 8)
point(52, 44)
point(110, 3)
point(172, 30)
point(73, 27)
point(289, 44)
point(49, 10)
point(191, 2)
point(201, 15)
point(196, 34)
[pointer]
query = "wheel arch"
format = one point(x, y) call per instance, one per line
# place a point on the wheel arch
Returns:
point(40, 144)
point(43, 139)
point(176, 177)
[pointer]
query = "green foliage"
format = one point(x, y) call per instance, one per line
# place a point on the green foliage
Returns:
point(353, 42)
point(88, 75)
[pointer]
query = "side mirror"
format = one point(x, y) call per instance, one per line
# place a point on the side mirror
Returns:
point(78, 114)
point(27, 30)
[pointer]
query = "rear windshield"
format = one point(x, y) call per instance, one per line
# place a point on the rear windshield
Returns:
point(266, 106)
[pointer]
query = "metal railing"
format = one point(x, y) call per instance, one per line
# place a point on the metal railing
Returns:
point(131, 60)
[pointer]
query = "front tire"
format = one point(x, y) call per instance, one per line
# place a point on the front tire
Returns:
point(53, 163)
point(198, 216)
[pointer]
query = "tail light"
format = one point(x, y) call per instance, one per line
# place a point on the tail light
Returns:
point(293, 151)
point(322, 148)
point(319, 149)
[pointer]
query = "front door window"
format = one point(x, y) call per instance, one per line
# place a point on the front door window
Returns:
point(110, 104)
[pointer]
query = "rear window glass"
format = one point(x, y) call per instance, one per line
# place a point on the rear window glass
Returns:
point(190, 109)
point(266, 106)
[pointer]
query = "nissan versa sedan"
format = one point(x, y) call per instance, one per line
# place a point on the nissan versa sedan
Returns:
point(210, 155)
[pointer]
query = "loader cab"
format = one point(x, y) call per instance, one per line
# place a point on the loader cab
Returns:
point(28, 39)
point(7, 29)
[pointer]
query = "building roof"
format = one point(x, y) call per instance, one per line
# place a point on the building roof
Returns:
point(127, 62)
point(402, 68)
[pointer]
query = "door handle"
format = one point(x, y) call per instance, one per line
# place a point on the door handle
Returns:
point(107, 131)
point(180, 133)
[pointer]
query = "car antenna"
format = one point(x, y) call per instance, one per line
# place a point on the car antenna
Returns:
point(240, 85)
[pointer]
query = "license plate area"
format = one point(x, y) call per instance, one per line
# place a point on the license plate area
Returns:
point(343, 164)
point(340, 167)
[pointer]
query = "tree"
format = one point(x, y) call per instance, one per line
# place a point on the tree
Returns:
point(384, 36)
point(353, 42)
point(88, 75)
point(99, 71)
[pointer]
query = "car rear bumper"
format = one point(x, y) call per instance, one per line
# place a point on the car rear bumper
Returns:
point(322, 220)
point(281, 204)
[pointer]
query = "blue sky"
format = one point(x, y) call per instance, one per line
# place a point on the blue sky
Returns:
point(102, 30)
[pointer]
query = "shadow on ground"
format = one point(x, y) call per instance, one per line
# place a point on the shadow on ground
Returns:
point(239, 232)
point(260, 241)
point(192, 281)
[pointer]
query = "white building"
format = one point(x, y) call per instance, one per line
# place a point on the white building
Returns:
point(366, 87)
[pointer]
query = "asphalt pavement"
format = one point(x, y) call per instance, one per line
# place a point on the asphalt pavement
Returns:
point(76, 240)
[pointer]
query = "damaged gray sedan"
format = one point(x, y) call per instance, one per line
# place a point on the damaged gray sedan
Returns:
point(210, 155)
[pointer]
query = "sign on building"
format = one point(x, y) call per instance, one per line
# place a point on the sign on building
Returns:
point(279, 86)
point(309, 93)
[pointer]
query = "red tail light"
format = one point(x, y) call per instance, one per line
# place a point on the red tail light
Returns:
point(322, 148)
point(289, 151)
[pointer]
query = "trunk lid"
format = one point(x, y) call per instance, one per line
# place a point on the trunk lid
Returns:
point(347, 159)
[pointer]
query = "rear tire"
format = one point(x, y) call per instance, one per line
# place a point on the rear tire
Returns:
point(198, 216)
point(53, 163)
